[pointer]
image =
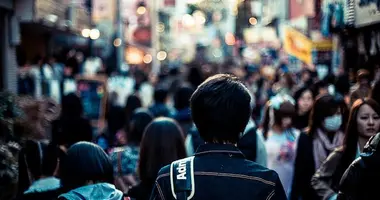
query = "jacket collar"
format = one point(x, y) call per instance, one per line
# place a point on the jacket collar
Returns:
point(212, 148)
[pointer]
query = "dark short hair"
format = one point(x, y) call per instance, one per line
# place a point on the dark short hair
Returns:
point(182, 97)
point(85, 162)
point(139, 121)
point(160, 95)
point(163, 143)
point(220, 108)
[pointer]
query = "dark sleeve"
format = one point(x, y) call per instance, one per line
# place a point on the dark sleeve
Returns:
point(348, 183)
point(157, 193)
point(279, 192)
point(322, 181)
point(300, 179)
point(23, 178)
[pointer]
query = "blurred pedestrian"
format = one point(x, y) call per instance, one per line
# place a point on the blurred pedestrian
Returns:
point(86, 173)
point(160, 107)
point(71, 127)
point(38, 164)
point(125, 157)
point(304, 99)
point(364, 122)
point(162, 143)
point(324, 134)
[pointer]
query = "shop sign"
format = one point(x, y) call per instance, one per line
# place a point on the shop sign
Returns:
point(169, 3)
point(298, 45)
point(301, 47)
point(366, 12)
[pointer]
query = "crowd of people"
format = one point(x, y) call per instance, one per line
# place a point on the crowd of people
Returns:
point(223, 132)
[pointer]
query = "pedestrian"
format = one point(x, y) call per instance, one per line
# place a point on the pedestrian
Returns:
point(304, 99)
point(360, 179)
point(364, 122)
point(219, 170)
point(72, 126)
point(86, 173)
point(281, 138)
point(324, 134)
point(125, 158)
point(38, 164)
point(162, 143)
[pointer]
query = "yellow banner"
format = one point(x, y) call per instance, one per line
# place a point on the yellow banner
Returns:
point(298, 45)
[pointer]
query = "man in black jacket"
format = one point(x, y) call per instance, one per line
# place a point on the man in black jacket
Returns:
point(361, 179)
point(220, 108)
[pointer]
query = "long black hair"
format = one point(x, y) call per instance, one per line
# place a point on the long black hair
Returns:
point(163, 143)
point(352, 136)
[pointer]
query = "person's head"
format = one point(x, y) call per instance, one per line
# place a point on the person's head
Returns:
point(325, 115)
point(286, 80)
point(137, 124)
point(161, 95)
point(133, 102)
point(304, 100)
point(182, 97)
point(363, 77)
point(162, 143)
point(220, 108)
point(364, 122)
point(41, 159)
point(279, 113)
point(71, 106)
point(85, 164)
point(305, 76)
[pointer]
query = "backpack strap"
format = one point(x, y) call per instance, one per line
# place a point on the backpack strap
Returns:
point(182, 179)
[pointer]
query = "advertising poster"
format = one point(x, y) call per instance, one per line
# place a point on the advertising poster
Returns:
point(367, 12)
point(93, 92)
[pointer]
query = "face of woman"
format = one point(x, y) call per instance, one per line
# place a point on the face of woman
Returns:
point(286, 122)
point(305, 102)
point(368, 121)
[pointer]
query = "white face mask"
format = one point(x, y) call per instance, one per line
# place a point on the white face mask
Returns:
point(333, 123)
point(322, 71)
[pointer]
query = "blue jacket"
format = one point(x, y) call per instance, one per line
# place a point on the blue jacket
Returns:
point(104, 191)
point(221, 172)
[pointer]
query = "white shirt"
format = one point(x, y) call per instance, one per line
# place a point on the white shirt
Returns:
point(281, 152)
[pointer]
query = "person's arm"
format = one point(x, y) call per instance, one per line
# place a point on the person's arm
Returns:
point(279, 192)
point(349, 183)
point(261, 157)
point(323, 178)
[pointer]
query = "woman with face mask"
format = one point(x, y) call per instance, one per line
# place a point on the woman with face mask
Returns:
point(322, 137)
point(364, 122)
point(281, 138)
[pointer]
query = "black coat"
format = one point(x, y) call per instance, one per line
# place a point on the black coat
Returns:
point(361, 179)
point(304, 169)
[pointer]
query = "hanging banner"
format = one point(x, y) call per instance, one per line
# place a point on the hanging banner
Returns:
point(298, 45)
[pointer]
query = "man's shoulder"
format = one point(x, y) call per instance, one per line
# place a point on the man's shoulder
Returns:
point(248, 170)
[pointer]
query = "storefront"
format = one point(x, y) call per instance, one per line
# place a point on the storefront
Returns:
point(8, 39)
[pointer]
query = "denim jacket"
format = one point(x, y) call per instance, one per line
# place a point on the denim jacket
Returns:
point(222, 172)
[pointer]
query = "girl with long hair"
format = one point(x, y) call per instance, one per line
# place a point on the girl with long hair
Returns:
point(323, 135)
point(364, 122)
point(162, 143)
